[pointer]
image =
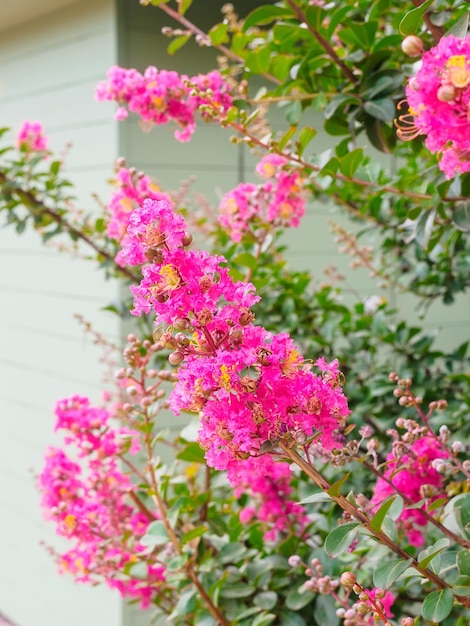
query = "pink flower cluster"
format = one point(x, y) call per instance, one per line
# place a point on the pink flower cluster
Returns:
point(387, 602)
point(413, 474)
point(280, 201)
point(251, 387)
point(270, 485)
point(31, 138)
point(161, 96)
point(439, 99)
point(88, 500)
point(131, 189)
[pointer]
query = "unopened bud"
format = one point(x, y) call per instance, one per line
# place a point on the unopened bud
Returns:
point(412, 46)
point(175, 358)
point(348, 579)
point(446, 93)
point(457, 446)
point(294, 560)
point(187, 239)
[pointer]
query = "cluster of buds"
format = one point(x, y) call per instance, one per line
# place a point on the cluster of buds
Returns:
point(373, 605)
point(317, 581)
point(139, 382)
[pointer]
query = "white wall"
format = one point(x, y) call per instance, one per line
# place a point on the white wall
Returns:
point(49, 67)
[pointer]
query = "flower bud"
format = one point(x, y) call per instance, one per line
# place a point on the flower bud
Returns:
point(187, 239)
point(348, 579)
point(412, 46)
point(175, 358)
point(294, 560)
point(446, 93)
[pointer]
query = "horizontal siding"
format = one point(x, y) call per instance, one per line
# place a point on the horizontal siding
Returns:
point(49, 70)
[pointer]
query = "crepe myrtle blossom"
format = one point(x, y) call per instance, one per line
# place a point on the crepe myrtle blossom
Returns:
point(269, 484)
point(438, 98)
point(414, 475)
point(31, 138)
point(86, 495)
point(279, 201)
point(130, 189)
point(250, 387)
point(160, 96)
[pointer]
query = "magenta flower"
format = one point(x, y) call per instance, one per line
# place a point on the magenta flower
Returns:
point(439, 98)
point(31, 137)
point(410, 473)
point(249, 386)
point(160, 96)
point(280, 201)
point(88, 500)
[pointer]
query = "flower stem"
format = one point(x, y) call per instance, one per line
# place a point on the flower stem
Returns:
point(362, 518)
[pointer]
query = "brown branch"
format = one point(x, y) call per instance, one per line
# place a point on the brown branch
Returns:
point(436, 31)
point(200, 34)
point(362, 518)
point(33, 204)
point(409, 501)
point(327, 47)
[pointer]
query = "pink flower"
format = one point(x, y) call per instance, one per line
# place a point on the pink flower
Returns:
point(88, 501)
point(159, 96)
point(31, 137)
point(249, 386)
point(439, 98)
point(414, 470)
point(280, 201)
point(387, 601)
point(132, 188)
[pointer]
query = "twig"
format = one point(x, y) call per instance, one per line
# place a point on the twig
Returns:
point(323, 42)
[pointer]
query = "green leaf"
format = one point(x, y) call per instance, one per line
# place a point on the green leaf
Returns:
point(424, 227)
point(186, 603)
point(258, 60)
point(461, 215)
point(177, 43)
point(319, 496)
point(413, 19)
point(337, 102)
point(385, 575)
point(192, 453)
point(324, 611)
point(193, 534)
point(426, 556)
point(377, 520)
point(287, 136)
point(460, 28)
point(335, 489)
point(156, 534)
point(265, 15)
point(463, 562)
point(339, 540)
point(295, 600)
point(382, 109)
point(183, 6)
point(266, 600)
point(462, 512)
point(246, 260)
point(437, 605)
point(218, 34)
point(294, 113)
point(289, 618)
point(264, 619)
point(305, 137)
point(461, 586)
point(237, 590)
point(349, 163)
